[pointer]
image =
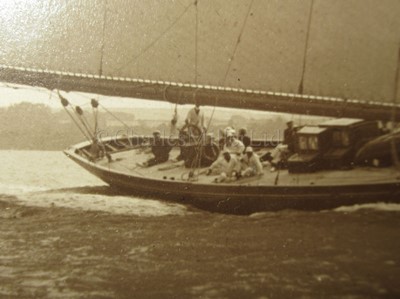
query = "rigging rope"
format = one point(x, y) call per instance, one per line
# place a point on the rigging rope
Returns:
point(118, 119)
point(149, 46)
point(86, 122)
point(174, 119)
point(238, 41)
point(199, 151)
point(79, 112)
point(301, 87)
point(95, 112)
point(65, 104)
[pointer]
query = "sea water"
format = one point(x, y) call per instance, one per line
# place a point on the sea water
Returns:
point(48, 178)
point(65, 234)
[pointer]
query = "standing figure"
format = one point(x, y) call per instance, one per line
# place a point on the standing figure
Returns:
point(195, 117)
point(289, 137)
point(244, 138)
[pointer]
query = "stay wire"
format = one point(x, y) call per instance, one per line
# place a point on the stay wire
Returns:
point(231, 60)
point(76, 123)
point(238, 41)
point(151, 44)
point(81, 119)
point(73, 118)
point(118, 119)
point(88, 125)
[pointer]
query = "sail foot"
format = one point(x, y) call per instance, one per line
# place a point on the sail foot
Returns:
point(207, 95)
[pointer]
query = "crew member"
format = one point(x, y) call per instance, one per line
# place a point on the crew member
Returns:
point(251, 164)
point(227, 131)
point(233, 145)
point(244, 138)
point(199, 155)
point(159, 149)
point(289, 137)
point(279, 155)
point(195, 117)
point(228, 167)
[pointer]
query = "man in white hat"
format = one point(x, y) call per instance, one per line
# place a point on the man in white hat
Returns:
point(251, 164)
point(228, 167)
point(233, 145)
point(195, 117)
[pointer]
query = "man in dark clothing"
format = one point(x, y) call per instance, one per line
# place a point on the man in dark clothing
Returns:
point(160, 150)
point(289, 137)
point(208, 153)
point(244, 138)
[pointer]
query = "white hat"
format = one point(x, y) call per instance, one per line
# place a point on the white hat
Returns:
point(229, 131)
point(249, 149)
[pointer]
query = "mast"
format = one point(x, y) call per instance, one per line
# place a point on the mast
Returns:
point(103, 39)
point(395, 157)
point(196, 41)
point(301, 85)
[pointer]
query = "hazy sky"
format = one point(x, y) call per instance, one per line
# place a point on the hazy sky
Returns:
point(20, 94)
point(10, 96)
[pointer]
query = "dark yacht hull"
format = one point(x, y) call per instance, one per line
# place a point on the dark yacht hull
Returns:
point(243, 199)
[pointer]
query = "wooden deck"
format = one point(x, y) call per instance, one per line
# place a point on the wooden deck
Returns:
point(126, 162)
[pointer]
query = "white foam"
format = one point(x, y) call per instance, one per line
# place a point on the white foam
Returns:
point(380, 206)
point(15, 189)
point(121, 205)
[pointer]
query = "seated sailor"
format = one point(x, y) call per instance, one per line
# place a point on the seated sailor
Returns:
point(228, 167)
point(279, 155)
point(251, 164)
point(233, 145)
point(223, 134)
point(159, 149)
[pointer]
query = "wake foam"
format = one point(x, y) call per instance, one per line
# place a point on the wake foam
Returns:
point(16, 189)
point(380, 206)
point(122, 205)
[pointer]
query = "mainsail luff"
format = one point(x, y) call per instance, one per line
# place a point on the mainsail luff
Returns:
point(208, 95)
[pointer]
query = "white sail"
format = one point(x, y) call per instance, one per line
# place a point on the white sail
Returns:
point(250, 45)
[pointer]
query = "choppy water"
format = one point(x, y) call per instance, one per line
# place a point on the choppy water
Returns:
point(39, 178)
point(106, 245)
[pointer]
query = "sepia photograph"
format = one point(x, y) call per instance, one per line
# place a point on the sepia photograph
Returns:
point(200, 149)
